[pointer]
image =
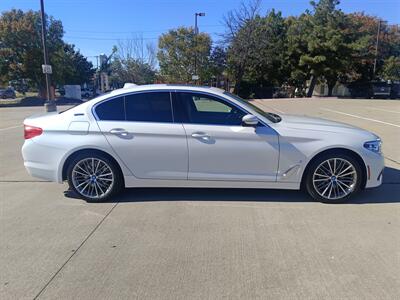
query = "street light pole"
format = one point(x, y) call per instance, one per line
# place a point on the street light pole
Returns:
point(196, 31)
point(377, 45)
point(50, 104)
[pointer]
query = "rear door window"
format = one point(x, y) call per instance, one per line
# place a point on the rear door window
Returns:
point(149, 107)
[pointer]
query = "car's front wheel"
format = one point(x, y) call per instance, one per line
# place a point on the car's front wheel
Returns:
point(94, 177)
point(333, 178)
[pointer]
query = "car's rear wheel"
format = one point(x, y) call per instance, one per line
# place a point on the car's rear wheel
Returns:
point(334, 178)
point(94, 177)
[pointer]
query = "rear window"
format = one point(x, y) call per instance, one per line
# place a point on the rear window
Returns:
point(111, 110)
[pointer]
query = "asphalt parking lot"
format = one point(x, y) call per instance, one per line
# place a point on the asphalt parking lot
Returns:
point(203, 244)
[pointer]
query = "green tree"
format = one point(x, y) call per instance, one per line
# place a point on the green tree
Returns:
point(296, 40)
point(176, 54)
point(362, 31)
point(21, 54)
point(362, 36)
point(327, 51)
point(218, 64)
point(71, 66)
point(262, 40)
point(391, 69)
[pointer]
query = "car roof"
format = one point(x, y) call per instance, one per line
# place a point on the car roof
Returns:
point(152, 87)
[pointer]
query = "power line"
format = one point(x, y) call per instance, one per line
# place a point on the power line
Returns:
point(135, 31)
point(108, 39)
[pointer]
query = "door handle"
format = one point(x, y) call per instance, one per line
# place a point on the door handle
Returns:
point(200, 135)
point(119, 131)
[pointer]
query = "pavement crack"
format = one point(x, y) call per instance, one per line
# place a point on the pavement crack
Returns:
point(73, 253)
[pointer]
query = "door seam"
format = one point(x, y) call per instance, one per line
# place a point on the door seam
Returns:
point(188, 152)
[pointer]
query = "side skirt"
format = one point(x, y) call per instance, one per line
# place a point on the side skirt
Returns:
point(131, 181)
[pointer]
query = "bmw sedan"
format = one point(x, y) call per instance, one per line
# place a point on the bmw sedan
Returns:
point(190, 136)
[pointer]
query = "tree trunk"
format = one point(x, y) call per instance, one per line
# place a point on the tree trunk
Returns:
point(330, 89)
point(236, 87)
point(43, 93)
point(238, 81)
point(313, 82)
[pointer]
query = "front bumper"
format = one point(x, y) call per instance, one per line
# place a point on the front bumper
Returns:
point(375, 163)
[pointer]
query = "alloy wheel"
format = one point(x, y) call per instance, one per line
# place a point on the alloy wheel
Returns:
point(335, 178)
point(92, 178)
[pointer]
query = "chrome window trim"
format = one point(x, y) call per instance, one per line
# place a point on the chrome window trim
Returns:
point(93, 109)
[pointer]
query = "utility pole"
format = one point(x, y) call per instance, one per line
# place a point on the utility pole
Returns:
point(196, 31)
point(377, 45)
point(50, 104)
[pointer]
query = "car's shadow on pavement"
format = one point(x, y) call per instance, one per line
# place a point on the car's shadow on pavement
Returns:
point(388, 192)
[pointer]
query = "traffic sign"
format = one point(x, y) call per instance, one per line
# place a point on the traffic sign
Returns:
point(195, 77)
point(47, 69)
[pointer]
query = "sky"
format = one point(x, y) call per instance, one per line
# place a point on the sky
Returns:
point(94, 26)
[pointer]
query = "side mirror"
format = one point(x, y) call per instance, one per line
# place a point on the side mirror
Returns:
point(249, 120)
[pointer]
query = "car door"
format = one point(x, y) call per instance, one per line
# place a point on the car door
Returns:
point(141, 130)
point(220, 147)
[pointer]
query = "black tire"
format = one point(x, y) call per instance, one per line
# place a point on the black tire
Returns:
point(117, 177)
point(314, 164)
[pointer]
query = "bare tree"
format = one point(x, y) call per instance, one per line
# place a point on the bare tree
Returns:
point(151, 54)
point(136, 49)
point(238, 37)
point(135, 61)
point(236, 19)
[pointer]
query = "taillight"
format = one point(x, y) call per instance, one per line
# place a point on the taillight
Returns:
point(31, 131)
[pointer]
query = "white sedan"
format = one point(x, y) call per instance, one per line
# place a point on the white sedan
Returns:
point(189, 136)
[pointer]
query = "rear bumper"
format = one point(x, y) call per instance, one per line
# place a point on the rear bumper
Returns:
point(40, 170)
point(42, 161)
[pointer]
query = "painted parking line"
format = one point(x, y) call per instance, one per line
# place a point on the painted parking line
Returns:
point(11, 127)
point(385, 110)
point(359, 117)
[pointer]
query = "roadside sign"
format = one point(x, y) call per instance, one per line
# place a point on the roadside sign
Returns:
point(47, 69)
point(195, 77)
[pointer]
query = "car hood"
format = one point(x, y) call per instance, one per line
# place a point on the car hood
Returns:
point(318, 124)
point(304, 121)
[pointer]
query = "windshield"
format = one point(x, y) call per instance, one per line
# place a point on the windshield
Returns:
point(270, 116)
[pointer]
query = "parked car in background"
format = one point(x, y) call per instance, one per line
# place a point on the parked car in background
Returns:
point(360, 90)
point(86, 93)
point(395, 90)
point(375, 89)
point(7, 93)
point(386, 90)
point(191, 136)
point(61, 91)
point(381, 90)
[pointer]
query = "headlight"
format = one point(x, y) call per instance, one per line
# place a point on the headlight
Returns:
point(374, 146)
